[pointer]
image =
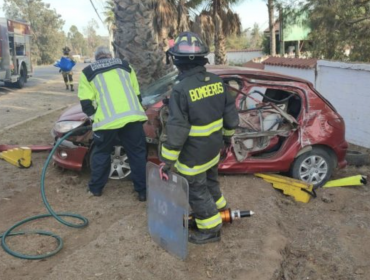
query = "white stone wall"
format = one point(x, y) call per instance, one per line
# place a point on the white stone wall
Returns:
point(306, 74)
point(236, 57)
point(347, 87)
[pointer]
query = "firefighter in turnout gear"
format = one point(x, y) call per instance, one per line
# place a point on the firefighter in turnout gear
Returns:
point(109, 93)
point(200, 110)
point(68, 75)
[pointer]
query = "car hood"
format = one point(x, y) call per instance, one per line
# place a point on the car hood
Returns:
point(74, 113)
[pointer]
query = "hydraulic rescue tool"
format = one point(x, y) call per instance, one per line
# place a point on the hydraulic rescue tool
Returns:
point(227, 215)
point(20, 157)
point(58, 216)
point(358, 180)
point(301, 191)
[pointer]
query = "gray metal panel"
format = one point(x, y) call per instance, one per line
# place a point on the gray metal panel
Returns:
point(168, 210)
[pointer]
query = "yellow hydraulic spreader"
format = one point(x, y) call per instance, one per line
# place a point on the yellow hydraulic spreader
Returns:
point(301, 191)
point(20, 157)
point(357, 180)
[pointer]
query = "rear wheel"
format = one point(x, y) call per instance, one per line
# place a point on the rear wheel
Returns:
point(314, 167)
point(22, 78)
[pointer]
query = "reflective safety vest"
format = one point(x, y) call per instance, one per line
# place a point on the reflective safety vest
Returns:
point(112, 86)
point(201, 111)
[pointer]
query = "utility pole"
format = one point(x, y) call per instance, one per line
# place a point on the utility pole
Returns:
point(271, 8)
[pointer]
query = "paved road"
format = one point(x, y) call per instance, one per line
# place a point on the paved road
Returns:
point(41, 75)
point(44, 92)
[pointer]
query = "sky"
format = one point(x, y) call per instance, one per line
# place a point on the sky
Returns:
point(80, 12)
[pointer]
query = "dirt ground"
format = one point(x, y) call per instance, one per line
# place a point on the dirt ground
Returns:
point(327, 238)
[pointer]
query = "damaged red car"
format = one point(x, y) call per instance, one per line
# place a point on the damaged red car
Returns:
point(285, 126)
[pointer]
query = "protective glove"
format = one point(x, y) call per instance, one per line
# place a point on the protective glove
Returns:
point(163, 171)
point(227, 141)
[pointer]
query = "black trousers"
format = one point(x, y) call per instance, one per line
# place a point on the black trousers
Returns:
point(132, 138)
point(204, 191)
point(68, 78)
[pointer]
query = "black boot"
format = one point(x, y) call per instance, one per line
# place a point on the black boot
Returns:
point(199, 237)
point(67, 87)
point(142, 196)
point(72, 88)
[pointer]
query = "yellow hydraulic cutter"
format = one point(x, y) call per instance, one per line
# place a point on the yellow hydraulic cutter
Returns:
point(20, 157)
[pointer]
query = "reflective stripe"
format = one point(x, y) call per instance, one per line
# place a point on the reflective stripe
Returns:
point(182, 168)
point(118, 116)
point(205, 130)
point(127, 92)
point(170, 154)
point(137, 104)
point(209, 223)
point(227, 132)
point(104, 95)
point(221, 203)
point(101, 98)
point(107, 96)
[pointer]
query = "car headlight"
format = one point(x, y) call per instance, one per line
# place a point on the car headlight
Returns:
point(66, 126)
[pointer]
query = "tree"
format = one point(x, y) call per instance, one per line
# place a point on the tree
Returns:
point(339, 25)
point(76, 41)
point(256, 37)
point(221, 19)
point(236, 42)
point(93, 40)
point(110, 20)
point(136, 40)
point(46, 25)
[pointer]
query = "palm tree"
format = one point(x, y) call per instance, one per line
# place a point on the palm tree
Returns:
point(110, 20)
point(135, 38)
point(142, 30)
point(222, 20)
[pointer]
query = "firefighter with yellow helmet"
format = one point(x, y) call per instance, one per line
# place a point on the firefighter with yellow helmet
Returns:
point(200, 110)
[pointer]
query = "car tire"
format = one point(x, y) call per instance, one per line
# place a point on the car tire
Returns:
point(314, 167)
point(22, 78)
point(120, 170)
point(357, 158)
point(9, 84)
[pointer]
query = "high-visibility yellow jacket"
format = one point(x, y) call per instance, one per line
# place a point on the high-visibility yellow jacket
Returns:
point(109, 90)
point(200, 109)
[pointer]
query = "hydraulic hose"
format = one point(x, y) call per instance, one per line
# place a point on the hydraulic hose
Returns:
point(52, 213)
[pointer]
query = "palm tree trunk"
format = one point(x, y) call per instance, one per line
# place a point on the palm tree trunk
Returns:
point(270, 7)
point(220, 50)
point(135, 39)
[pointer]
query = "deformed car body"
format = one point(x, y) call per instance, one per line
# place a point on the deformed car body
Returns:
point(285, 126)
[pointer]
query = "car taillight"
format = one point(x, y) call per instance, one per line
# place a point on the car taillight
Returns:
point(337, 123)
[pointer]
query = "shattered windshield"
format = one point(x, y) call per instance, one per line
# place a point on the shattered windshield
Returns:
point(157, 90)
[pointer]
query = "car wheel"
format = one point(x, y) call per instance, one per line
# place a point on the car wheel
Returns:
point(357, 158)
point(314, 167)
point(120, 168)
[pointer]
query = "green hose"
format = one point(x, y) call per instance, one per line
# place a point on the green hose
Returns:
point(52, 213)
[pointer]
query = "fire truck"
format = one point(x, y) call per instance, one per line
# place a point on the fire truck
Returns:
point(15, 52)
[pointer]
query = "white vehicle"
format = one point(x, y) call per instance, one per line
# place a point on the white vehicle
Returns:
point(15, 52)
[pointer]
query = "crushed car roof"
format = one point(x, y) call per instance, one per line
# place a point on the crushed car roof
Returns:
point(252, 73)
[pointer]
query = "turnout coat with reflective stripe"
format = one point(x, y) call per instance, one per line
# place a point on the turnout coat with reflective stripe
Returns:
point(199, 109)
point(109, 89)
